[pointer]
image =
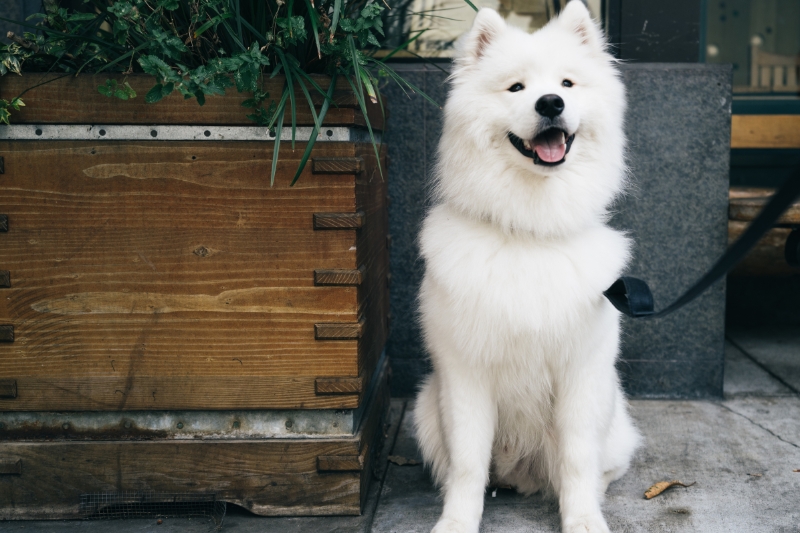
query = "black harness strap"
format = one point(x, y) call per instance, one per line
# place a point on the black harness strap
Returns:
point(632, 296)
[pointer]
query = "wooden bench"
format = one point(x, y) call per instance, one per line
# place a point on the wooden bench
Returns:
point(768, 256)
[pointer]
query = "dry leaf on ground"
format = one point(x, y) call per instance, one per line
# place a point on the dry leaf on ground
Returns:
point(402, 461)
point(661, 486)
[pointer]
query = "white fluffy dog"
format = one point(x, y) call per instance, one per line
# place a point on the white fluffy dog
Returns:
point(518, 254)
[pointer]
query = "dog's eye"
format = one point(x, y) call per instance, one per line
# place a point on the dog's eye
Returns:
point(566, 83)
point(516, 87)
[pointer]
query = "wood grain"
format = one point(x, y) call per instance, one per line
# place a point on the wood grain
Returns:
point(340, 463)
point(339, 385)
point(268, 476)
point(339, 276)
point(138, 391)
point(181, 185)
point(8, 389)
point(336, 165)
point(338, 220)
point(10, 467)
point(767, 256)
point(765, 131)
point(179, 265)
point(746, 203)
point(64, 101)
point(339, 330)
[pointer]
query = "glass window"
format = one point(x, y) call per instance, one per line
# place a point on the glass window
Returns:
point(444, 21)
point(761, 38)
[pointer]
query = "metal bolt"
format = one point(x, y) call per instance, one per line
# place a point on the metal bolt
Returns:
point(153, 133)
point(207, 133)
point(65, 425)
point(329, 133)
point(127, 424)
point(235, 424)
point(38, 131)
point(289, 424)
point(102, 133)
point(180, 425)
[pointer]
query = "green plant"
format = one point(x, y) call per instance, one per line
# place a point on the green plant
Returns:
point(201, 48)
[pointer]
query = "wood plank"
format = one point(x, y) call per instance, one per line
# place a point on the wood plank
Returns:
point(767, 256)
point(340, 463)
point(765, 131)
point(747, 203)
point(188, 346)
point(338, 220)
point(166, 185)
point(268, 476)
point(8, 389)
point(373, 253)
point(180, 260)
point(339, 330)
point(337, 385)
point(138, 287)
point(64, 101)
point(137, 391)
point(339, 276)
point(10, 467)
point(336, 165)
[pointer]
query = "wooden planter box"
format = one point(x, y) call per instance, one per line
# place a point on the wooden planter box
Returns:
point(163, 275)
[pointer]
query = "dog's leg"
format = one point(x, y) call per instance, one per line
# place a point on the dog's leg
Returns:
point(469, 415)
point(583, 408)
point(428, 429)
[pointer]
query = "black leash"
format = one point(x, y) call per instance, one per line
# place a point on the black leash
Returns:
point(632, 296)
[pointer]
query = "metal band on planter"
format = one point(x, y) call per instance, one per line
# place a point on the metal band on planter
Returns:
point(88, 132)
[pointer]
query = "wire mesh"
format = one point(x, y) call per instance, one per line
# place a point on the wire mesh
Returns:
point(144, 504)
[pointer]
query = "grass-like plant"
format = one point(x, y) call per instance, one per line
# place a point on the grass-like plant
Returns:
point(201, 48)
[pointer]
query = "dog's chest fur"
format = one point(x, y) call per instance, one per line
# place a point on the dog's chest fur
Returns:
point(505, 294)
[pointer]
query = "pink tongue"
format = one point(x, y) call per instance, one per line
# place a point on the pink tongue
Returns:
point(549, 147)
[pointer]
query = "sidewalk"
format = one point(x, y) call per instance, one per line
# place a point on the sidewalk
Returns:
point(741, 451)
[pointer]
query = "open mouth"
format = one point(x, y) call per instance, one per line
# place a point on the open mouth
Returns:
point(549, 148)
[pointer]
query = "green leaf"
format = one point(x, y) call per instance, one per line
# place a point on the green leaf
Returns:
point(169, 5)
point(337, 9)
point(276, 149)
point(216, 20)
point(155, 94)
point(317, 124)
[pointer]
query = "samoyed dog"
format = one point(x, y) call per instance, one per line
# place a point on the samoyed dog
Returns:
point(517, 255)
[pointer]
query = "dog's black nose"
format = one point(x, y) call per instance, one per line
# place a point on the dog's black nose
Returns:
point(550, 105)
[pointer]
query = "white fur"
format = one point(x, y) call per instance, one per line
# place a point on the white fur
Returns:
point(517, 257)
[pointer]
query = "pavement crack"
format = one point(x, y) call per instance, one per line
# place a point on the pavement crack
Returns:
point(761, 365)
point(760, 426)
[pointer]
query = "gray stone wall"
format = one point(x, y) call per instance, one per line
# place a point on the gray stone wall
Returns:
point(678, 126)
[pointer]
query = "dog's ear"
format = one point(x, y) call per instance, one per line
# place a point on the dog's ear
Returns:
point(487, 27)
point(576, 18)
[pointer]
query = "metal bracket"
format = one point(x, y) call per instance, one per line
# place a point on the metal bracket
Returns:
point(88, 132)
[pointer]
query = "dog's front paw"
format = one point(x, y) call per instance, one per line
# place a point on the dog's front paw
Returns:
point(586, 524)
point(447, 525)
